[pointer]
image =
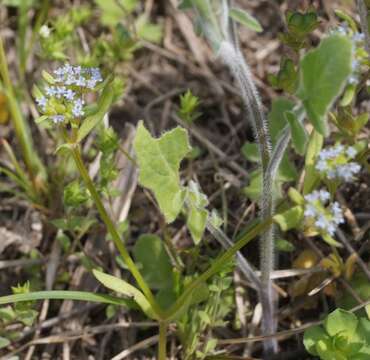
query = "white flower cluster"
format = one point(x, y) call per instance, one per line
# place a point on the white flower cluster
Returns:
point(79, 76)
point(325, 219)
point(357, 41)
point(70, 81)
point(334, 163)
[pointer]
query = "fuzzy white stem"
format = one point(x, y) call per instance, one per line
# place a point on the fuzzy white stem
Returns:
point(235, 61)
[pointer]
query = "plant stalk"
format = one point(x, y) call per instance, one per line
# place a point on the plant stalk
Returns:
point(162, 340)
point(239, 68)
point(113, 231)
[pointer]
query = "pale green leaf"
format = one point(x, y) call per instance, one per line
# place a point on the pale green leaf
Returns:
point(62, 295)
point(155, 264)
point(245, 19)
point(341, 322)
point(323, 74)
point(4, 342)
point(120, 286)
point(105, 101)
point(115, 10)
point(197, 215)
point(289, 219)
point(159, 162)
point(299, 134)
point(147, 30)
point(367, 309)
point(311, 337)
point(276, 116)
point(315, 144)
point(250, 152)
point(196, 223)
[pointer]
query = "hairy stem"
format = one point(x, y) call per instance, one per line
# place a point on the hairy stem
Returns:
point(113, 231)
point(235, 61)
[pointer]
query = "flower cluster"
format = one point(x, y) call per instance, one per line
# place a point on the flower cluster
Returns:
point(63, 98)
point(324, 218)
point(335, 163)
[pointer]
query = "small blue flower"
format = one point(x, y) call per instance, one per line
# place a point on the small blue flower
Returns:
point(77, 108)
point(57, 119)
point(334, 163)
point(69, 94)
point(324, 219)
point(41, 102)
point(358, 37)
point(50, 90)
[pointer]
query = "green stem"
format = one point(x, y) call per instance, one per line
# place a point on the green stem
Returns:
point(217, 265)
point(162, 340)
point(113, 232)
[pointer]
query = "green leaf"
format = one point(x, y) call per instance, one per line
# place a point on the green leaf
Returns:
point(287, 170)
point(4, 342)
point(341, 322)
point(147, 30)
point(198, 295)
point(314, 147)
point(41, 119)
point(299, 134)
point(159, 162)
point(62, 295)
point(289, 219)
point(196, 223)
point(361, 285)
point(367, 309)
point(323, 74)
point(286, 173)
point(364, 330)
point(311, 337)
point(115, 10)
point(197, 215)
point(276, 116)
point(105, 101)
point(74, 194)
point(295, 196)
point(250, 152)
point(155, 263)
point(166, 297)
point(284, 245)
point(349, 95)
point(118, 285)
point(245, 19)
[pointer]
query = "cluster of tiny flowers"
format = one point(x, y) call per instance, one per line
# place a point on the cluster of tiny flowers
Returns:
point(334, 163)
point(325, 219)
point(67, 90)
point(357, 41)
point(78, 76)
